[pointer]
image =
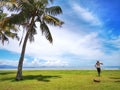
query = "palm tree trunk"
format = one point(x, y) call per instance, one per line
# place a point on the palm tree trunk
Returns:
point(20, 65)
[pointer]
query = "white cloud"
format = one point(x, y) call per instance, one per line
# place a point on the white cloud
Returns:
point(55, 63)
point(115, 41)
point(65, 42)
point(112, 59)
point(84, 47)
point(86, 15)
point(8, 62)
point(36, 62)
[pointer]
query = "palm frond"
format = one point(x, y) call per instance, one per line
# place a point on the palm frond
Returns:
point(54, 10)
point(45, 30)
point(11, 5)
point(32, 32)
point(3, 37)
point(2, 15)
point(7, 30)
point(52, 20)
point(44, 2)
point(7, 34)
point(26, 5)
point(31, 35)
point(19, 18)
point(11, 34)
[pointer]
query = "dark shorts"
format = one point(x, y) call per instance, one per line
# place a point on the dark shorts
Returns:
point(99, 70)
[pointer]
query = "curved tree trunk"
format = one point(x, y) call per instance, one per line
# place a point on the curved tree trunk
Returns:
point(20, 65)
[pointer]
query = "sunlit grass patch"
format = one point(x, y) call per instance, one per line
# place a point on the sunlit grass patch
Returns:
point(60, 80)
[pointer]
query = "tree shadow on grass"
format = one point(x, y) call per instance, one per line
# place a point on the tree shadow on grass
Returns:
point(6, 73)
point(43, 78)
point(116, 79)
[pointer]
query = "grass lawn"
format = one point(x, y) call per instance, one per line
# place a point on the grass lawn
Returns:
point(60, 80)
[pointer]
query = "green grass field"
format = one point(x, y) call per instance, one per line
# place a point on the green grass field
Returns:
point(60, 80)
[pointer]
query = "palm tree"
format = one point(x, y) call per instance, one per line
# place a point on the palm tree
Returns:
point(30, 12)
point(6, 30)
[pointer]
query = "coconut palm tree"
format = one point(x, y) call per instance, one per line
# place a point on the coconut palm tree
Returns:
point(30, 12)
point(6, 30)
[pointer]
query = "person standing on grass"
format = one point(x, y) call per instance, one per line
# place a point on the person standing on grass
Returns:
point(98, 67)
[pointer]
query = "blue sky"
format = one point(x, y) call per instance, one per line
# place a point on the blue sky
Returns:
point(91, 32)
